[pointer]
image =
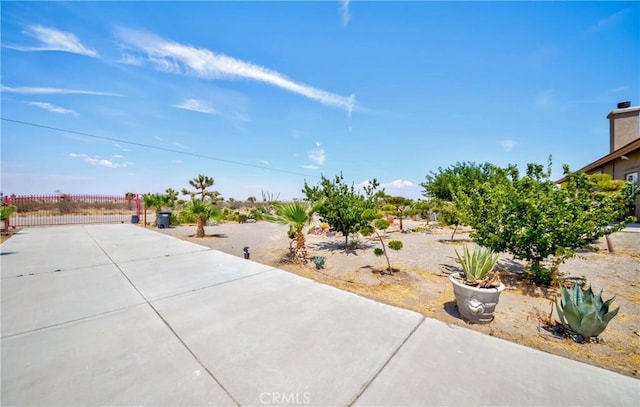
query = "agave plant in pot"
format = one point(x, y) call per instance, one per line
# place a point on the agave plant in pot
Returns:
point(478, 289)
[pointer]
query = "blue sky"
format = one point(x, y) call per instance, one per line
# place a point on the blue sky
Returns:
point(263, 95)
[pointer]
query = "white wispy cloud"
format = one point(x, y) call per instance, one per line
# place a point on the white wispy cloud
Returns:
point(309, 167)
point(359, 186)
point(181, 146)
point(173, 57)
point(318, 156)
point(52, 39)
point(119, 147)
point(196, 106)
point(398, 187)
point(398, 184)
point(508, 145)
point(129, 59)
point(607, 22)
point(618, 89)
point(265, 162)
point(28, 90)
point(346, 16)
point(98, 161)
point(544, 98)
point(53, 108)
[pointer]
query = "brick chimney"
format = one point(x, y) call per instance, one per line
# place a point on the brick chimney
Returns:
point(624, 125)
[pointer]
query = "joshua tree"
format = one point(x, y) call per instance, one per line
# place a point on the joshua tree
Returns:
point(202, 201)
point(129, 196)
point(172, 196)
point(296, 215)
point(201, 183)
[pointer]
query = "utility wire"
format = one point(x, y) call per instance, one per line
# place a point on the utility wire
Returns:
point(170, 150)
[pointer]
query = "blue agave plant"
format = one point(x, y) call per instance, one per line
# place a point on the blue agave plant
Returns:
point(319, 262)
point(584, 313)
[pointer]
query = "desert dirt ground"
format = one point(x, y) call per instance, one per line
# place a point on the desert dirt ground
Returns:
point(421, 284)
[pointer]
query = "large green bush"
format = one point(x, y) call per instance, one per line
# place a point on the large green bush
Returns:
point(535, 219)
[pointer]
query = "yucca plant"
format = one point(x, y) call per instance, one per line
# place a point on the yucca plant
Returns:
point(478, 267)
point(583, 313)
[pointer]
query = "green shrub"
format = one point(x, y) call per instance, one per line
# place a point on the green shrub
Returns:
point(184, 217)
point(541, 275)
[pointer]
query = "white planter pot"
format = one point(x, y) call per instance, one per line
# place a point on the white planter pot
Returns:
point(476, 305)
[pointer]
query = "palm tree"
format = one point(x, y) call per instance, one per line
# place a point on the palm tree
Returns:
point(5, 212)
point(156, 201)
point(203, 211)
point(296, 215)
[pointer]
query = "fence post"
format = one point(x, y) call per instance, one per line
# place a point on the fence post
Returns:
point(138, 209)
point(7, 223)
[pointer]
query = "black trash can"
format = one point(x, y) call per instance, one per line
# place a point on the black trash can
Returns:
point(164, 220)
point(135, 219)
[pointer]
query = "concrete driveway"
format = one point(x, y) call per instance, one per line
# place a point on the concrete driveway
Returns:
point(120, 315)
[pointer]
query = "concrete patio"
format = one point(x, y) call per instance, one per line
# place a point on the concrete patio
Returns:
point(100, 315)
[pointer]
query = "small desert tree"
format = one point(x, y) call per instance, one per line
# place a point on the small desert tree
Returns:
point(296, 215)
point(342, 205)
point(535, 219)
point(441, 187)
point(422, 208)
point(374, 223)
point(399, 203)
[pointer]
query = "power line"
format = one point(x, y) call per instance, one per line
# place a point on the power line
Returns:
point(170, 150)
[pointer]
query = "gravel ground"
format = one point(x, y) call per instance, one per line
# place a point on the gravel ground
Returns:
point(421, 284)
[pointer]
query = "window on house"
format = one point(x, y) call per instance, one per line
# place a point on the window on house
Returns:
point(633, 178)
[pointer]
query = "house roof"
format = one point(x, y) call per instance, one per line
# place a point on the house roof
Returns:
point(626, 149)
